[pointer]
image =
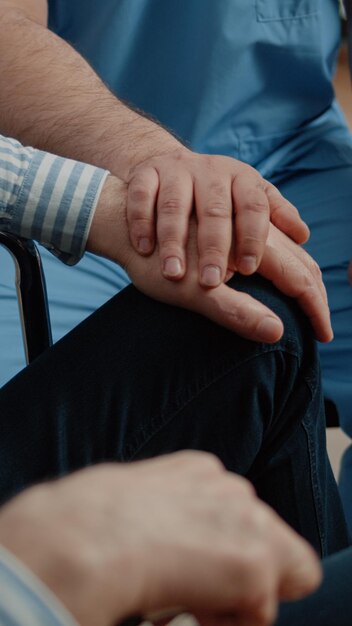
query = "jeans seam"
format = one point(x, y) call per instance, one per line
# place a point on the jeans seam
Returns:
point(315, 485)
point(133, 449)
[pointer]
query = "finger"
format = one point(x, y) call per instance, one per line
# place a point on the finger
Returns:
point(294, 567)
point(141, 201)
point(298, 278)
point(256, 587)
point(174, 207)
point(301, 578)
point(305, 258)
point(297, 563)
point(214, 214)
point(249, 591)
point(241, 313)
point(285, 216)
point(251, 223)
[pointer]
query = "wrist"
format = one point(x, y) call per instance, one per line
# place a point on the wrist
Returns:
point(152, 141)
point(65, 559)
point(108, 235)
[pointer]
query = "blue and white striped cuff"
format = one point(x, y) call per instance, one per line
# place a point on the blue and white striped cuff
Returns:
point(25, 600)
point(48, 198)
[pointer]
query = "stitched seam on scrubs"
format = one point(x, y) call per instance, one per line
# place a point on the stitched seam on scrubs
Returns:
point(267, 14)
point(285, 19)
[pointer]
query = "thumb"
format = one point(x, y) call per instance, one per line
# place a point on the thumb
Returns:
point(241, 313)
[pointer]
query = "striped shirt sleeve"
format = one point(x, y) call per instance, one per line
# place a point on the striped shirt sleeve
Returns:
point(48, 198)
point(25, 600)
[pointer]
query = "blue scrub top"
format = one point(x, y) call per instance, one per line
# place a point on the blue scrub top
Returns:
point(250, 79)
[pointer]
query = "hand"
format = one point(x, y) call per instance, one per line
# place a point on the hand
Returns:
point(217, 188)
point(284, 263)
point(115, 540)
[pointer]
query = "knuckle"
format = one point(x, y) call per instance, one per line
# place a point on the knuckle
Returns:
point(212, 464)
point(276, 199)
point(203, 462)
point(251, 241)
point(138, 214)
point(243, 485)
point(272, 191)
point(288, 206)
point(171, 206)
point(247, 487)
point(260, 184)
point(216, 165)
point(208, 161)
point(256, 205)
point(239, 317)
point(276, 210)
point(315, 269)
point(246, 169)
point(309, 282)
point(139, 194)
point(169, 247)
point(212, 249)
point(218, 189)
point(181, 154)
point(217, 211)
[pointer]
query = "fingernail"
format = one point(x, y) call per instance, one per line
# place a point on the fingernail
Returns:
point(269, 329)
point(248, 264)
point(144, 244)
point(211, 276)
point(172, 267)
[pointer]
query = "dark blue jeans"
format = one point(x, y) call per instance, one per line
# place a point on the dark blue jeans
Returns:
point(331, 604)
point(139, 378)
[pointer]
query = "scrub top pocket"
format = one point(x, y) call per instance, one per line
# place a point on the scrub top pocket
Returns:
point(280, 10)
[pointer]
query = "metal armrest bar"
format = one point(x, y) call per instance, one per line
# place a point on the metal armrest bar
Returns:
point(31, 294)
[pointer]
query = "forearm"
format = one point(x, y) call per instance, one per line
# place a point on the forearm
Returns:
point(52, 99)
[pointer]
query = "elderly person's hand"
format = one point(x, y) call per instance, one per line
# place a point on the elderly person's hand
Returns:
point(284, 263)
point(178, 531)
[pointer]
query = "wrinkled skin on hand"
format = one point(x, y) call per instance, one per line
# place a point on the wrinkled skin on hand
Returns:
point(229, 199)
point(284, 263)
point(177, 531)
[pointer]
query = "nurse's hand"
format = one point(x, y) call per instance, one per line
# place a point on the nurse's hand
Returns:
point(226, 195)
